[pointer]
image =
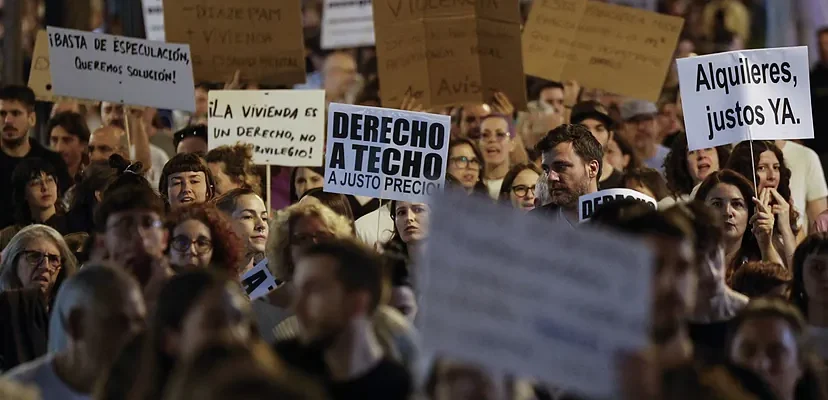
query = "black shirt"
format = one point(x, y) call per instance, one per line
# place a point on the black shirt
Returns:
point(709, 341)
point(819, 105)
point(614, 181)
point(8, 164)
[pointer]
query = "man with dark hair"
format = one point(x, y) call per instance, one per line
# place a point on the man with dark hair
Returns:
point(69, 136)
point(572, 161)
point(18, 115)
point(192, 139)
point(339, 285)
point(595, 117)
point(551, 94)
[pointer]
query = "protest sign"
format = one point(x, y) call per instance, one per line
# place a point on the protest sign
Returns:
point(642, 4)
point(753, 94)
point(347, 23)
point(569, 301)
point(385, 153)
point(258, 281)
point(285, 127)
point(154, 19)
point(445, 53)
point(605, 46)
point(40, 79)
point(589, 203)
point(120, 69)
point(261, 38)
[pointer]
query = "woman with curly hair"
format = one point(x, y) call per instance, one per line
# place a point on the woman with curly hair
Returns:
point(233, 168)
point(202, 237)
point(685, 169)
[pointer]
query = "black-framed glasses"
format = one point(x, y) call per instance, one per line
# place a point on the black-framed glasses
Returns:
point(523, 190)
point(182, 243)
point(34, 257)
point(464, 162)
point(304, 239)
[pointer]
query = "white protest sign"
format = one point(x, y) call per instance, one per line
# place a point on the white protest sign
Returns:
point(258, 281)
point(740, 95)
point(347, 23)
point(154, 19)
point(568, 302)
point(385, 153)
point(285, 127)
point(120, 69)
point(589, 203)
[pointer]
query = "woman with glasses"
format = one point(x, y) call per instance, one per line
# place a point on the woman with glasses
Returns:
point(518, 187)
point(202, 237)
point(32, 266)
point(496, 143)
point(466, 165)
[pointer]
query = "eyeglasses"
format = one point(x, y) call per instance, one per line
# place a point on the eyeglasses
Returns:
point(464, 162)
point(183, 244)
point(127, 225)
point(34, 257)
point(304, 239)
point(523, 190)
point(497, 136)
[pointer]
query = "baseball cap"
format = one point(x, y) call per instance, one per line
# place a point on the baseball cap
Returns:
point(590, 109)
point(637, 108)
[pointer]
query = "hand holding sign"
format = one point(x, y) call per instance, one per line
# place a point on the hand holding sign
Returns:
point(591, 202)
point(763, 220)
point(502, 105)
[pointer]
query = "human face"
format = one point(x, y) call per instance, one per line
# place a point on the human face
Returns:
point(305, 232)
point(642, 131)
point(201, 102)
point(192, 245)
point(768, 347)
point(41, 193)
point(495, 141)
point(306, 179)
point(134, 235)
point(674, 285)
point(38, 265)
point(220, 314)
point(108, 326)
point(615, 157)
point(224, 183)
point(105, 142)
point(321, 303)
point(340, 74)
point(522, 192)
point(767, 170)
point(701, 163)
point(192, 145)
point(250, 217)
point(599, 130)
point(68, 145)
point(733, 207)
point(470, 119)
point(553, 97)
point(112, 115)
point(186, 188)
point(711, 274)
point(412, 221)
point(403, 299)
point(568, 175)
point(17, 121)
point(464, 165)
point(815, 277)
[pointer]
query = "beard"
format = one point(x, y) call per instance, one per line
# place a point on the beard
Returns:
point(565, 197)
point(13, 143)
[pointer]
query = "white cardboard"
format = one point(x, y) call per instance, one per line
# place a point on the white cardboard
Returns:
point(154, 19)
point(258, 281)
point(530, 296)
point(415, 169)
point(347, 23)
point(588, 203)
point(170, 86)
point(700, 103)
point(285, 127)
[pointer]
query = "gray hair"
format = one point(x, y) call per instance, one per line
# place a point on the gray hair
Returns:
point(18, 244)
point(94, 285)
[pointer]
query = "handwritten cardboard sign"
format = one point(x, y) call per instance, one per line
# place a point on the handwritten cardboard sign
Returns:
point(347, 23)
point(285, 127)
point(760, 94)
point(606, 46)
point(154, 19)
point(261, 38)
point(385, 153)
point(120, 69)
point(568, 303)
point(589, 203)
point(449, 52)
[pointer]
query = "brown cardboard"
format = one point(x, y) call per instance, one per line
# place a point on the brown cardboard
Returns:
point(619, 49)
point(40, 77)
point(262, 38)
point(445, 52)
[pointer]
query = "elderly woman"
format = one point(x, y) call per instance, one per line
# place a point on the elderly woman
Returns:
point(32, 266)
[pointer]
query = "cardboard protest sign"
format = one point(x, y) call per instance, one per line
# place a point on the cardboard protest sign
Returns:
point(605, 46)
point(154, 19)
point(568, 303)
point(258, 281)
point(261, 38)
point(120, 69)
point(285, 127)
point(642, 4)
point(385, 153)
point(449, 52)
point(347, 23)
point(40, 79)
point(753, 94)
point(589, 203)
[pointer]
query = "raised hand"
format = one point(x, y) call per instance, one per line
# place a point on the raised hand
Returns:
point(502, 105)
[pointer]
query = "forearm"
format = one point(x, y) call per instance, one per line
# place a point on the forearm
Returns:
point(140, 141)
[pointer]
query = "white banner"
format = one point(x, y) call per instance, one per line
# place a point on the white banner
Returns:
point(347, 23)
point(119, 69)
point(589, 203)
point(530, 296)
point(154, 19)
point(258, 281)
point(285, 127)
point(385, 153)
point(740, 95)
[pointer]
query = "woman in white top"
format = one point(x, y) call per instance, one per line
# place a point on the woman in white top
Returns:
point(496, 143)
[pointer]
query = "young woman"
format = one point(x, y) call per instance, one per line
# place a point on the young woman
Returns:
point(496, 143)
point(186, 180)
point(686, 169)
point(303, 179)
point(249, 215)
point(810, 278)
point(411, 222)
point(621, 155)
point(466, 165)
point(233, 168)
point(202, 237)
point(518, 187)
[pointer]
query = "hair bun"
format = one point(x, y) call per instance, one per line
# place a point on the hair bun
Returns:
point(123, 166)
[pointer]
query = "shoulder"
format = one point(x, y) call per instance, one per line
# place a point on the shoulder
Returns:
point(31, 371)
point(545, 210)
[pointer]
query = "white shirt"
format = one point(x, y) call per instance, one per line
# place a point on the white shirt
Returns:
point(807, 178)
point(41, 373)
point(494, 187)
point(376, 227)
